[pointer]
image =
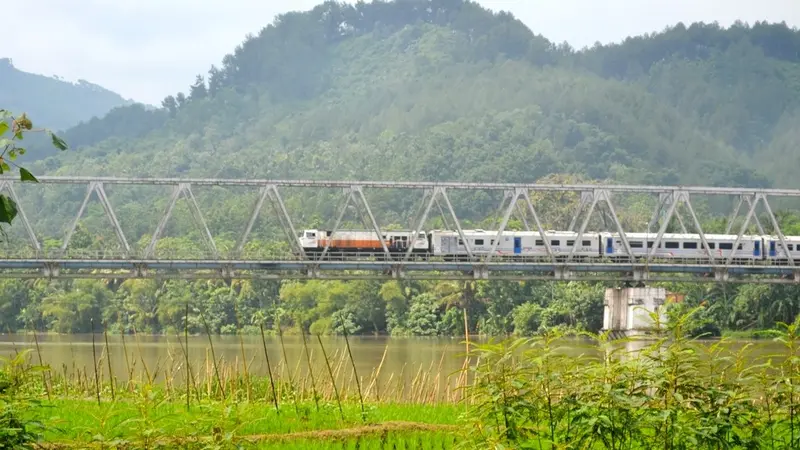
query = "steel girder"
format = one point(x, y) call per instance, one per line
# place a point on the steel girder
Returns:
point(516, 200)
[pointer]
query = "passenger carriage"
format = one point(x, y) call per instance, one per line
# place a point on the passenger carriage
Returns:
point(513, 244)
point(683, 246)
point(774, 251)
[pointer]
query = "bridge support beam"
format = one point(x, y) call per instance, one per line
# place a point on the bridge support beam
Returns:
point(627, 311)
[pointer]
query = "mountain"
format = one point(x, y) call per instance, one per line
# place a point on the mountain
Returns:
point(447, 90)
point(51, 102)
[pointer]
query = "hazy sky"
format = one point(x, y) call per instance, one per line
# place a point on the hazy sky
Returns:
point(147, 49)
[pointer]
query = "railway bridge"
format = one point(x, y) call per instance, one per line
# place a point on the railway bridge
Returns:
point(28, 256)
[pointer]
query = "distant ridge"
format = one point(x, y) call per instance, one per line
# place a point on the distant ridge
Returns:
point(53, 102)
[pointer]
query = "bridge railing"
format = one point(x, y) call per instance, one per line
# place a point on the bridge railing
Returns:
point(200, 254)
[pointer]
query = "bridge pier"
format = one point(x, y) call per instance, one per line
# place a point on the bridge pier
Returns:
point(627, 311)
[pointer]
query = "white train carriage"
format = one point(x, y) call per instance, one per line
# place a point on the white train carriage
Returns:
point(683, 246)
point(513, 243)
point(774, 251)
point(361, 241)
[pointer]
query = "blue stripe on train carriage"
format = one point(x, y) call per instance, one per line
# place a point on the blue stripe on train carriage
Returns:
point(517, 245)
point(756, 248)
point(609, 246)
point(772, 251)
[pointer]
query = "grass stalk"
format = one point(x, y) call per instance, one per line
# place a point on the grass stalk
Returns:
point(108, 360)
point(269, 369)
point(94, 362)
point(333, 378)
point(45, 380)
point(355, 372)
point(292, 390)
point(310, 368)
point(213, 355)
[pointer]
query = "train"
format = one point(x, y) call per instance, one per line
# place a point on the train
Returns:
point(525, 244)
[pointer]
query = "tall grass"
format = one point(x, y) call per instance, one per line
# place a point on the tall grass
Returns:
point(674, 392)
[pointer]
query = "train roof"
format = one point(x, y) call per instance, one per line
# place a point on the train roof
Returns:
point(518, 232)
point(724, 237)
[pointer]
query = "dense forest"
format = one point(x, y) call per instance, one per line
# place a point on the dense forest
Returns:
point(424, 90)
point(55, 103)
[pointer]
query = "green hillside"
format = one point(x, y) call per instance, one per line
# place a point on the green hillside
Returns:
point(427, 90)
point(56, 104)
point(446, 90)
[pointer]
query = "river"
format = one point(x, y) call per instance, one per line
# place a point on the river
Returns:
point(405, 358)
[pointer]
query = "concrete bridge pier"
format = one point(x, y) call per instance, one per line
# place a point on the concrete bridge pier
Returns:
point(627, 310)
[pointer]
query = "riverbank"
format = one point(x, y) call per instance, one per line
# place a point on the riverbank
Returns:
point(673, 392)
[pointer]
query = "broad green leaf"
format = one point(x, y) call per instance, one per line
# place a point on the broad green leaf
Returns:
point(12, 154)
point(21, 151)
point(8, 209)
point(58, 142)
point(3, 128)
point(4, 166)
point(25, 175)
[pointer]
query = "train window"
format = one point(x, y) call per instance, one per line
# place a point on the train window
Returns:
point(649, 244)
point(739, 247)
point(570, 243)
point(586, 243)
point(460, 242)
point(478, 241)
point(311, 235)
point(712, 245)
point(555, 243)
point(726, 246)
point(636, 244)
point(690, 245)
point(422, 235)
point(491, 242)
point(671, 245)
point(539, 242)
point(790, 246)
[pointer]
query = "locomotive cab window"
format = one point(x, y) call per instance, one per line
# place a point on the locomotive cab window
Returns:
point(311, 235)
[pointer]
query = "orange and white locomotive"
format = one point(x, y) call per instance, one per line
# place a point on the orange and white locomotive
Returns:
point(361, 241)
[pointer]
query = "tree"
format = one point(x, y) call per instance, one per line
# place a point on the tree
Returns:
point(10, 150)
point(198, 90)
point(170, 104)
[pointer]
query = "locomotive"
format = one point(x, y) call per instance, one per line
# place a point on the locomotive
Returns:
point(517, 244)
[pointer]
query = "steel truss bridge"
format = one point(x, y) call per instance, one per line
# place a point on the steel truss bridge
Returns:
point(128, 263)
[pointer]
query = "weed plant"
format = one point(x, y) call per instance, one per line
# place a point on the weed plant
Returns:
point(676, 393)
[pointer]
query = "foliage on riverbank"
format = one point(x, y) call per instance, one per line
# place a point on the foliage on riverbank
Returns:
point(673, 392)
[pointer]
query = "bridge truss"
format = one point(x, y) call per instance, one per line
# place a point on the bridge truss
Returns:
point(672, 205)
